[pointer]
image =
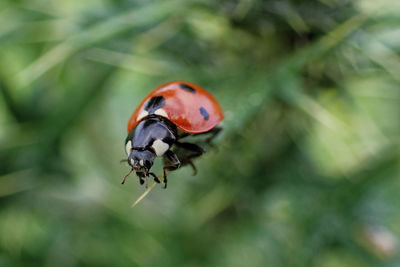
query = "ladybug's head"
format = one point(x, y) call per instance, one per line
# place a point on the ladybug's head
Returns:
point(141, 160)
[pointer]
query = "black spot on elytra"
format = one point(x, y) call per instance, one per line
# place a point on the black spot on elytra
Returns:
point(204, 113)
point(154, 103)
point(187, 88)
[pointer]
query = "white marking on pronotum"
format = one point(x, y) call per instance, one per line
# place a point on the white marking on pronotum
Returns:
point(141, 162)
point(161, 112)
point(132, 162)
point(128, 147)
point(160, 147)
point(141, 115)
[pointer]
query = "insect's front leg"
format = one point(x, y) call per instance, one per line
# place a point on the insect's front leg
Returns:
point(155, 177)
point(141, 177)
point(171, 162)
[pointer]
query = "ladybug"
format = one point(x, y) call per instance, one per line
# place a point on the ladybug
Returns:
point(168, 114)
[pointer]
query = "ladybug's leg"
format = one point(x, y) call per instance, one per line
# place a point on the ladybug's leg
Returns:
point(208, 140)
point(141, 176)
point(171, 162)
point(190, 162)
point(214, 132)
point(191, 151)
point(155, 177)
point(183, 135)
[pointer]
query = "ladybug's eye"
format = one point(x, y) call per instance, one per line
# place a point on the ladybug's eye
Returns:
point(128, 147)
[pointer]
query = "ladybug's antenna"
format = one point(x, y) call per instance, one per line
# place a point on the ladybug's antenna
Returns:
point(123, 180)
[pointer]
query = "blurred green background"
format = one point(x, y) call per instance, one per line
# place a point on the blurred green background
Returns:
point(307, 168)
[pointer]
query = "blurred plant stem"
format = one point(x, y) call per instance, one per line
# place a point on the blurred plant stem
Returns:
point(95, 34)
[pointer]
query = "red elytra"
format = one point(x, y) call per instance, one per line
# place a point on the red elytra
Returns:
point(191, 108)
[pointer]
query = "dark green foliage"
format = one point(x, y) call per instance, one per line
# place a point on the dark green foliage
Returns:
point(305, 172)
